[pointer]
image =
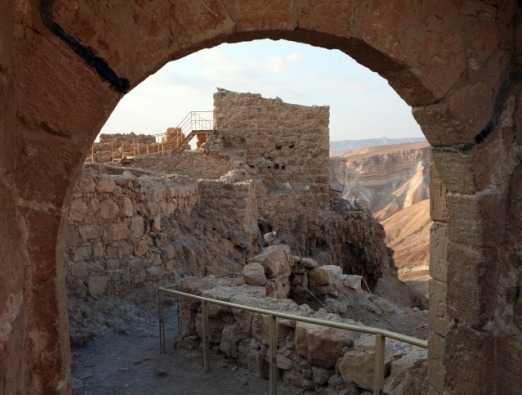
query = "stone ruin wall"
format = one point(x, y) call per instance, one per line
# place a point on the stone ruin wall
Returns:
point(284, 145)
point(269, 161)
point(285, 149)
point(113, 225)
point(195, 164)
point(128, 229)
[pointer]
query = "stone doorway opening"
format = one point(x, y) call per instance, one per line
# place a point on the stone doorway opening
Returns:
point(462, 84)
point(150, 217)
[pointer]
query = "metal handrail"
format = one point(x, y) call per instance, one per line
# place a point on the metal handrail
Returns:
point(197, 120)
point(380, 334)
point(194, 121)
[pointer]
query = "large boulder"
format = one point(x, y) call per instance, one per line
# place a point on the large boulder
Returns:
point(358, 365)
point(408, 375)
point(323, 279)
point(277, 263)
point(254, 274)
point(393, 289)
point(275, 259)
point(319, 345)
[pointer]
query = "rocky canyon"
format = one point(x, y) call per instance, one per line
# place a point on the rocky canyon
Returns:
point(392, 181)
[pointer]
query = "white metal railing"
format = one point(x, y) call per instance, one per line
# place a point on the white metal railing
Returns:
point(274, 316)
point(197, 120)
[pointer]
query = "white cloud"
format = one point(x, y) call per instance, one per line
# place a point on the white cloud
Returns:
point(362, 103)
point(281, 64)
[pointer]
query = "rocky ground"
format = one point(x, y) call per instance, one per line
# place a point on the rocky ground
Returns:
point(116, 344)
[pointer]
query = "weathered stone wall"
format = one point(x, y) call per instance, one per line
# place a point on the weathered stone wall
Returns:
point(114, 230)
point(475, 259)
point(285, 149)
point(309, 357)
point(128, 230)
point(196, 164)
point(284, 145)
point(15, 309)
point(127, 138)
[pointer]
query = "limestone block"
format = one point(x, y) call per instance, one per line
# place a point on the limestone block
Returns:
point(143, 246)
point(113, 264)
point(86, 185)
point(170, 251)
point(98, 285)
point(82, 253)
point(105, 184)
point(477, 220)
point(408, 374)
point(352, 281)
point(324, 278)
point(80, 269)
point(357, 365)
point(127, 208)
point(137, 227)
point(89, 232)
point(108, 209)
point(124, 180)
point(154, 271)
point(98, 249)
point(230, 337)
point(307, 263)
point(438, 251)
point(275, 259)
point(471, 286)
point(119, 231)
point(438, 307)
point(438, 199)
point(156, 223)
point(319, 345)
point(278, 287)
point(78, 210)
point(254, 274)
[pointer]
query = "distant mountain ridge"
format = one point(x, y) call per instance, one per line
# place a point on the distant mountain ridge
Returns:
point(341, 147)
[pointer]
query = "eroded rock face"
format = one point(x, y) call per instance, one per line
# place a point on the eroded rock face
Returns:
point(384, 179)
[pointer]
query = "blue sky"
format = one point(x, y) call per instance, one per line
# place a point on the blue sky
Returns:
point(362, 104)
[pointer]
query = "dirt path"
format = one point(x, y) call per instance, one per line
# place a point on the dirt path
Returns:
point(130, 364)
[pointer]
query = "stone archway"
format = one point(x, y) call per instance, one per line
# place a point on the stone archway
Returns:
point(65, 64)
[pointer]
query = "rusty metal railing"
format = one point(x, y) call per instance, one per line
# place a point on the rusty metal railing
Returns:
point(274, 316)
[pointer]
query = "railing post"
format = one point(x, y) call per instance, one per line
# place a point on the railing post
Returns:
point(272, 333)
point(204, 329)
point(161, 324)
point(378, 373)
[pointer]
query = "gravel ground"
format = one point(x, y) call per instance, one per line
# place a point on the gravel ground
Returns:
point(117, 353)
